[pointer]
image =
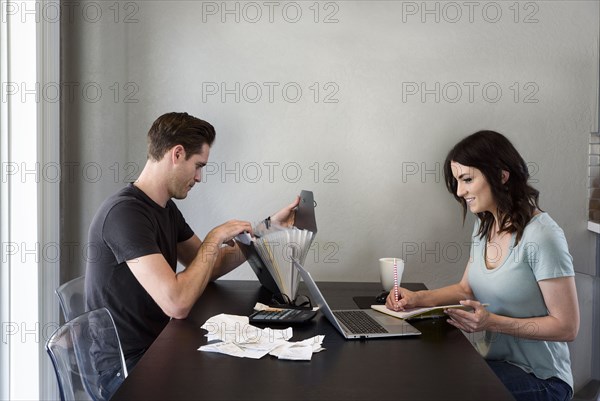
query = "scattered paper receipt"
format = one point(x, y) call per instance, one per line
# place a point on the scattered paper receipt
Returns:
point(233, 335)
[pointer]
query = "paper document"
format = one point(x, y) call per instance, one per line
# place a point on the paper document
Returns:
point(299, 351)
point(233, 335)
point(277, 248)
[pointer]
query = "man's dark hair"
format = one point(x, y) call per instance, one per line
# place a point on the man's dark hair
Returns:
point(173, 129)
point(491, 152)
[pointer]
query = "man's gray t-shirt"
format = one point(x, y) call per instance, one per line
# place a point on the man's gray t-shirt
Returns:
point(129, 225)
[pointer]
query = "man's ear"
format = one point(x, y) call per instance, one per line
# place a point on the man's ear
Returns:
point(177, 153)
point(505, 176)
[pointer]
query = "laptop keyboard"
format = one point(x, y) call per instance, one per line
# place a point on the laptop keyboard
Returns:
point(359, 322)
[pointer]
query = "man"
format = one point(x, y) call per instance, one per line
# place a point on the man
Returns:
point(138, 235)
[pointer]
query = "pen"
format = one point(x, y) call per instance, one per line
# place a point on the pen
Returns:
point(395, 280)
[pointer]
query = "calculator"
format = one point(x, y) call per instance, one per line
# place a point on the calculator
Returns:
point(283, 316)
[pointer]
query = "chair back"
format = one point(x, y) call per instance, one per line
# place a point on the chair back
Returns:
point(87, 357)
point(71, 297)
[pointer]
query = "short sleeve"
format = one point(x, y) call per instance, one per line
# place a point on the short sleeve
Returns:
point(184, 231)
point(129, 232)
point(548, 253)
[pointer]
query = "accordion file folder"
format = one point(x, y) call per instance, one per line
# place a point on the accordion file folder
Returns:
point(270, 256)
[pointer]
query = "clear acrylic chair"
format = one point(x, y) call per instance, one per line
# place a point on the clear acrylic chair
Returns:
point(87, 357)
point(71, 298)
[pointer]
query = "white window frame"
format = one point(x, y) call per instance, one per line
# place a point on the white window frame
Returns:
point(29, 198)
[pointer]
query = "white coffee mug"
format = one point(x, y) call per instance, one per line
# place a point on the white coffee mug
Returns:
point(386, 272)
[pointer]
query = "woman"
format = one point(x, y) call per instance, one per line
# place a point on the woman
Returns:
point(519, 265)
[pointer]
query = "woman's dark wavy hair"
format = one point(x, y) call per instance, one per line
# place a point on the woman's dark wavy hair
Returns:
point(491, 153)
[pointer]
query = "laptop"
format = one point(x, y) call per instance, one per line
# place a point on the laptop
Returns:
point(357, 323)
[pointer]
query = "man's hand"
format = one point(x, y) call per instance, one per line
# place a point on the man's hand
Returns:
point(225, 233)
point(285, 217)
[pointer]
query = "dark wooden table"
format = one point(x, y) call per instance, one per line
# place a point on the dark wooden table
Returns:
point(440, 364)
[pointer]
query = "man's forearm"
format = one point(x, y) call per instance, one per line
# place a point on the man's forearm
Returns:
point(191, 282)
point(229, 258)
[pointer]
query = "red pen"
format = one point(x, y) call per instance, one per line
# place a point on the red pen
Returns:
point(395, 280)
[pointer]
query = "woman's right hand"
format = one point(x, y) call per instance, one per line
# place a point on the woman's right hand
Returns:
point(406, 300)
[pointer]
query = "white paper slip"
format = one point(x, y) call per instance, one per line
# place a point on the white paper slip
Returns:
point(227, 348)
point(420, 313)
point(299, 351)
point(233, 335)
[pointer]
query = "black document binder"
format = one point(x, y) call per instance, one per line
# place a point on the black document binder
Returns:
point(303, 220)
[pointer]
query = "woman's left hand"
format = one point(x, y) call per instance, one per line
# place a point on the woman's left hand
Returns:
point(472, 321)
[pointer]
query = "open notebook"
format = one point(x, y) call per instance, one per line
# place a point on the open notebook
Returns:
point(420, 313)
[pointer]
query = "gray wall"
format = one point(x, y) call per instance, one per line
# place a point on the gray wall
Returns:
point(358, 101)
